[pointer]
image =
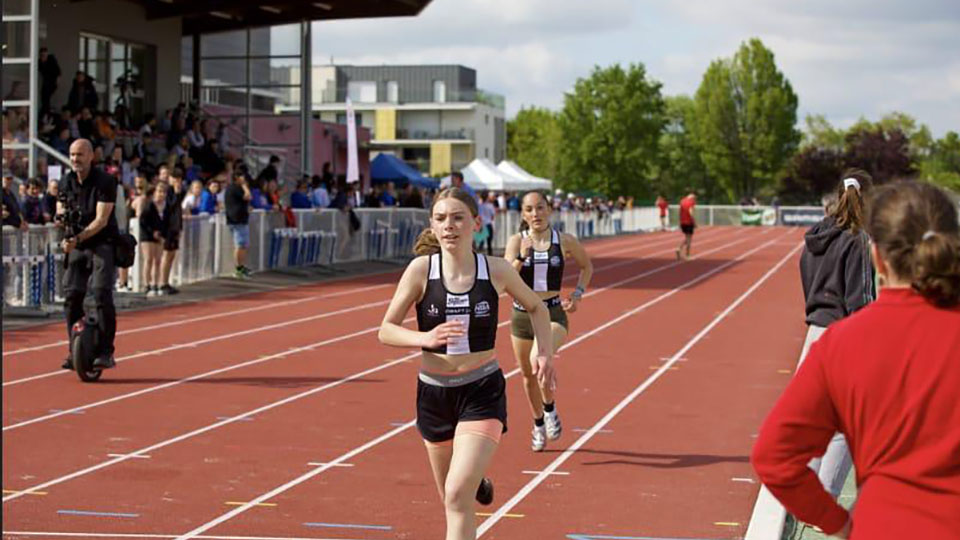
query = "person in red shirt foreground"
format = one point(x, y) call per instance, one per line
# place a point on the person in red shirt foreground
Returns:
point(687, 224)
point(887, 377)
point(662, 205)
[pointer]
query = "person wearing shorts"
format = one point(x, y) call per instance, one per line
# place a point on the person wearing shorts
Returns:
point(173, 218)
point(538, 253)
point(663, 206)
point(687, 225)
point(461, 397)
point(150, 213)
point(236, 202)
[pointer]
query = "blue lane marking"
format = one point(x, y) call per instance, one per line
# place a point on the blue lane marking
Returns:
point(605, 537)
point(98, 514)
point(350, 526)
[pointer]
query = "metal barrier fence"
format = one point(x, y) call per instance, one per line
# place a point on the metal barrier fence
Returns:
point(33, 269)
point(802, 216)
point(32, 266)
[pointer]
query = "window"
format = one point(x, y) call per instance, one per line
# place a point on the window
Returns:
point(440, 91)
point(362, 91)
point(486, 152)
point(117, 69)
point(486, 119)
point(393, 92)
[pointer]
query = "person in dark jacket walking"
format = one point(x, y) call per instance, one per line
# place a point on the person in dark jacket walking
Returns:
point(837, 276)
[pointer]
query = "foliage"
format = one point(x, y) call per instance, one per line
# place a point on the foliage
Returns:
point(610, 128)
point(746, 112)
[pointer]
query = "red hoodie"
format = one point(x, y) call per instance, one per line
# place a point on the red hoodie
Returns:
point(888, 378)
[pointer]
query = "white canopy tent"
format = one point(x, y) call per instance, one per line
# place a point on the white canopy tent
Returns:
point(536, 182)
point(481, 174)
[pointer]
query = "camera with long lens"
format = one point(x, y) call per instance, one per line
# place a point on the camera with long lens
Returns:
point(71, 217)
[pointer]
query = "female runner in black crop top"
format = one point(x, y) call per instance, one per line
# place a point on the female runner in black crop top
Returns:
point(538, 253)
point(461, 399)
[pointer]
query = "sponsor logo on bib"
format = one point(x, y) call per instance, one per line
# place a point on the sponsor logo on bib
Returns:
point(458, 300)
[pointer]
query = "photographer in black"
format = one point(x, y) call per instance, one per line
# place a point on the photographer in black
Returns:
point(87, 197)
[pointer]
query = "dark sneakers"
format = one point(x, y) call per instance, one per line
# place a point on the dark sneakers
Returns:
point(104, 362)
point(169, 289)
point(485, 492)
point(67, 364)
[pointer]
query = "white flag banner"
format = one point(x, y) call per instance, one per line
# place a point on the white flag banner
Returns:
point(353, 168)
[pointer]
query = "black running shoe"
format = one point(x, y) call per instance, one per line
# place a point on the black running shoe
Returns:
point(485, 492)
point(169, 289)
point(67, 364)
point(104, 362)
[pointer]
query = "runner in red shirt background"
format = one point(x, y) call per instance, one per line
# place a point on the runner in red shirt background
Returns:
point(887, 377)
point(687, 224)
point(662, 205)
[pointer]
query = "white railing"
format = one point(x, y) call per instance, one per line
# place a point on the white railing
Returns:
point(33, 268)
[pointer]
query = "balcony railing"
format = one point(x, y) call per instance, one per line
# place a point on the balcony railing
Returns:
point(467, 134)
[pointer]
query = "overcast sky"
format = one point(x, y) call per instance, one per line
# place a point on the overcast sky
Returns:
point(845, 58)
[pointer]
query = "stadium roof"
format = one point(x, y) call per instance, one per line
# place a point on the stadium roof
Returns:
point(202, 16)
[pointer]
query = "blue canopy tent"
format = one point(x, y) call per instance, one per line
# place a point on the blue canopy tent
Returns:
point(390, 168)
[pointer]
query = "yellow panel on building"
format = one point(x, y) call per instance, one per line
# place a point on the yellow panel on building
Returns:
point(386, 125)
point(439, 158)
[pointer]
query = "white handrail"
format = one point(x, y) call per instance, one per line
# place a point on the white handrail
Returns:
point(53, 152)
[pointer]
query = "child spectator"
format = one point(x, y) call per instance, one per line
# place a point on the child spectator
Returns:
point(151, 210)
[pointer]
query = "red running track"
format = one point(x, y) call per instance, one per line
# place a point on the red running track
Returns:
point(229, 454)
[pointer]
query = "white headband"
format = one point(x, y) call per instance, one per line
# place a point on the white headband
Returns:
point(928, 235)
point(851, 182)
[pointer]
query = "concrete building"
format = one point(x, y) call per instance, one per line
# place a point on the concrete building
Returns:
point(433, 117)
point(142, 40)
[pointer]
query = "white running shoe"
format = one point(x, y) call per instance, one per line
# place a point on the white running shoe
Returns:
point(539, 441)
point(552, 423)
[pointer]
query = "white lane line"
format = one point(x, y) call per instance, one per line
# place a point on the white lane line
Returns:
point(177, 382)
point(333, 384)
point(272, 305)
point(81, 408)
point(396, 431)
point(212, 339)
point(559, 460)
point(51, 534)
point(131, 456)
point(210, 316)
point(321, 464)
point(744, 480)
point(215, 339)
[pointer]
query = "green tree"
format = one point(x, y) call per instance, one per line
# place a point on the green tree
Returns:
point(746, 111)
point(942, 166)
point(611, 124)
point(821, 134)
point(533, 141)
point(681, 167)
